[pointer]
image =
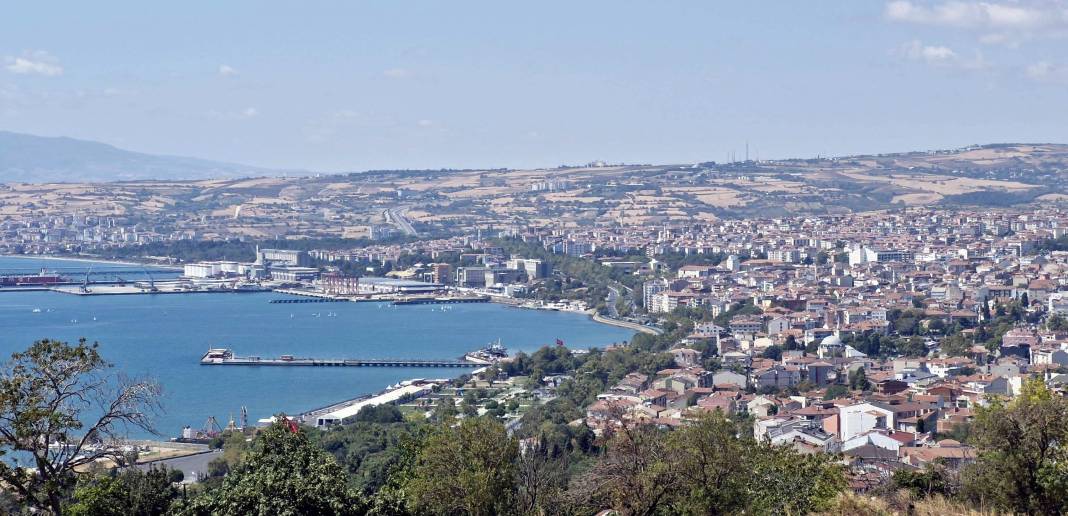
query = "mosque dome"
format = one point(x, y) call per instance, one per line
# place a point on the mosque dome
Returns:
point(831, 341)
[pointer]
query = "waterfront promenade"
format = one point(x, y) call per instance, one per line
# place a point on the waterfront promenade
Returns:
point(626, 324)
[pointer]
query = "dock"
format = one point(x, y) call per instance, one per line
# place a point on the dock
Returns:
point(226, 357)
point(296, 300)
point(441, 300)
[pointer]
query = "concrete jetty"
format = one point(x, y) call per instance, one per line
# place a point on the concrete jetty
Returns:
point(227, 357)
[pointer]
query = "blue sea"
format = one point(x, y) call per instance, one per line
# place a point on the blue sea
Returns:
point(164, 337)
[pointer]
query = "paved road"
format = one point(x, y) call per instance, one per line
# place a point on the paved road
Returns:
point(399, 220)
point(613, 298)
point(195, 467)
point(615, 293)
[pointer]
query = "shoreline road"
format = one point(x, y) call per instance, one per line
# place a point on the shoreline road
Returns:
point(194, 467)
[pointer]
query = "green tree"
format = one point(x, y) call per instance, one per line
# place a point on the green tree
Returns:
point(129, 493)
point(1022, 453)
point(912, 347)
point(57, 393)
point(1057, 322)
point(709, 456)
point(858, 380)
point(635, 476)
point(784, 481)
point(836, 391)
point(445, 410)
point(955, 345)
point(711, 466)
point(469, 469)
point(932, 480)
point(284, 474)
point(773, 352)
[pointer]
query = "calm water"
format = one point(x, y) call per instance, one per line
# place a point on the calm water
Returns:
point(164, 336)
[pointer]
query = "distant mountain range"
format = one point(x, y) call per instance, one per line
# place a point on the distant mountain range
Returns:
point(37, 159)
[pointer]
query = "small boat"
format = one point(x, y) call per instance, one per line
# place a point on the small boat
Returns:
point(36, 310)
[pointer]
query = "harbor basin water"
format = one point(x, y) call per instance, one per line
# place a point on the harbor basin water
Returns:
point(164, 337)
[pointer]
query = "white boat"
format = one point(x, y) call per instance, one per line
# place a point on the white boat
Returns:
point(489, 355)
point(36, 310)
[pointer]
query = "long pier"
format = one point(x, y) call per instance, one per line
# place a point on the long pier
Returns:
point(441, 300)
point(226, 357)
point(295, 300)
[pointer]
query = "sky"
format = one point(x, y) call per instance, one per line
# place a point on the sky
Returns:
point(358, 85)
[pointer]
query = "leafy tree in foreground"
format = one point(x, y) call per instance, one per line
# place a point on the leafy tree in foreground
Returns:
point(709, 455)
point(1023, 460)
point(283, 475)
point(635, 476)
point(129, 493)
point(469, 469)
point(782, 481)
point(709, 466)
point(57, 394)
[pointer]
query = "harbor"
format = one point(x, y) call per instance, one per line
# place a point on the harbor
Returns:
point(165, 336)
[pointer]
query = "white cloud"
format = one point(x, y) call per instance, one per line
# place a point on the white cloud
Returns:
point(34, 63)
point(1045, 71)
point(1023, 17)
point(1039, 70)
point(425, 123)
point(226, 70)
point(917, 51)
point(397, 73)
point(941, 56)
point(242, 114)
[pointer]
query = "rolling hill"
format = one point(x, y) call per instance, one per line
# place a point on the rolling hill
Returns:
point(26, 158)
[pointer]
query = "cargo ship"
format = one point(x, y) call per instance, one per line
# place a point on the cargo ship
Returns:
point(32, 280)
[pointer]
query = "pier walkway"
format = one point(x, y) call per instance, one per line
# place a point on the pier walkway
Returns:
point(226, 357)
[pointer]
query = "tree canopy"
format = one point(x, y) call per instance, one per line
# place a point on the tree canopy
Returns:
point(1022, 460)
point(60, 407)
point(284, 474)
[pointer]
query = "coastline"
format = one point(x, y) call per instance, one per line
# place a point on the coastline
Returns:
point(515, 303)
point(625, 324)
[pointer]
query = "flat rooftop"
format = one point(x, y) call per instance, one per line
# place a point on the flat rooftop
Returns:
point(396, 282)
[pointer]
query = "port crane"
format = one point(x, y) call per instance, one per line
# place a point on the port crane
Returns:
point(85, 284)
point(211, 427)
point(151, 281)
